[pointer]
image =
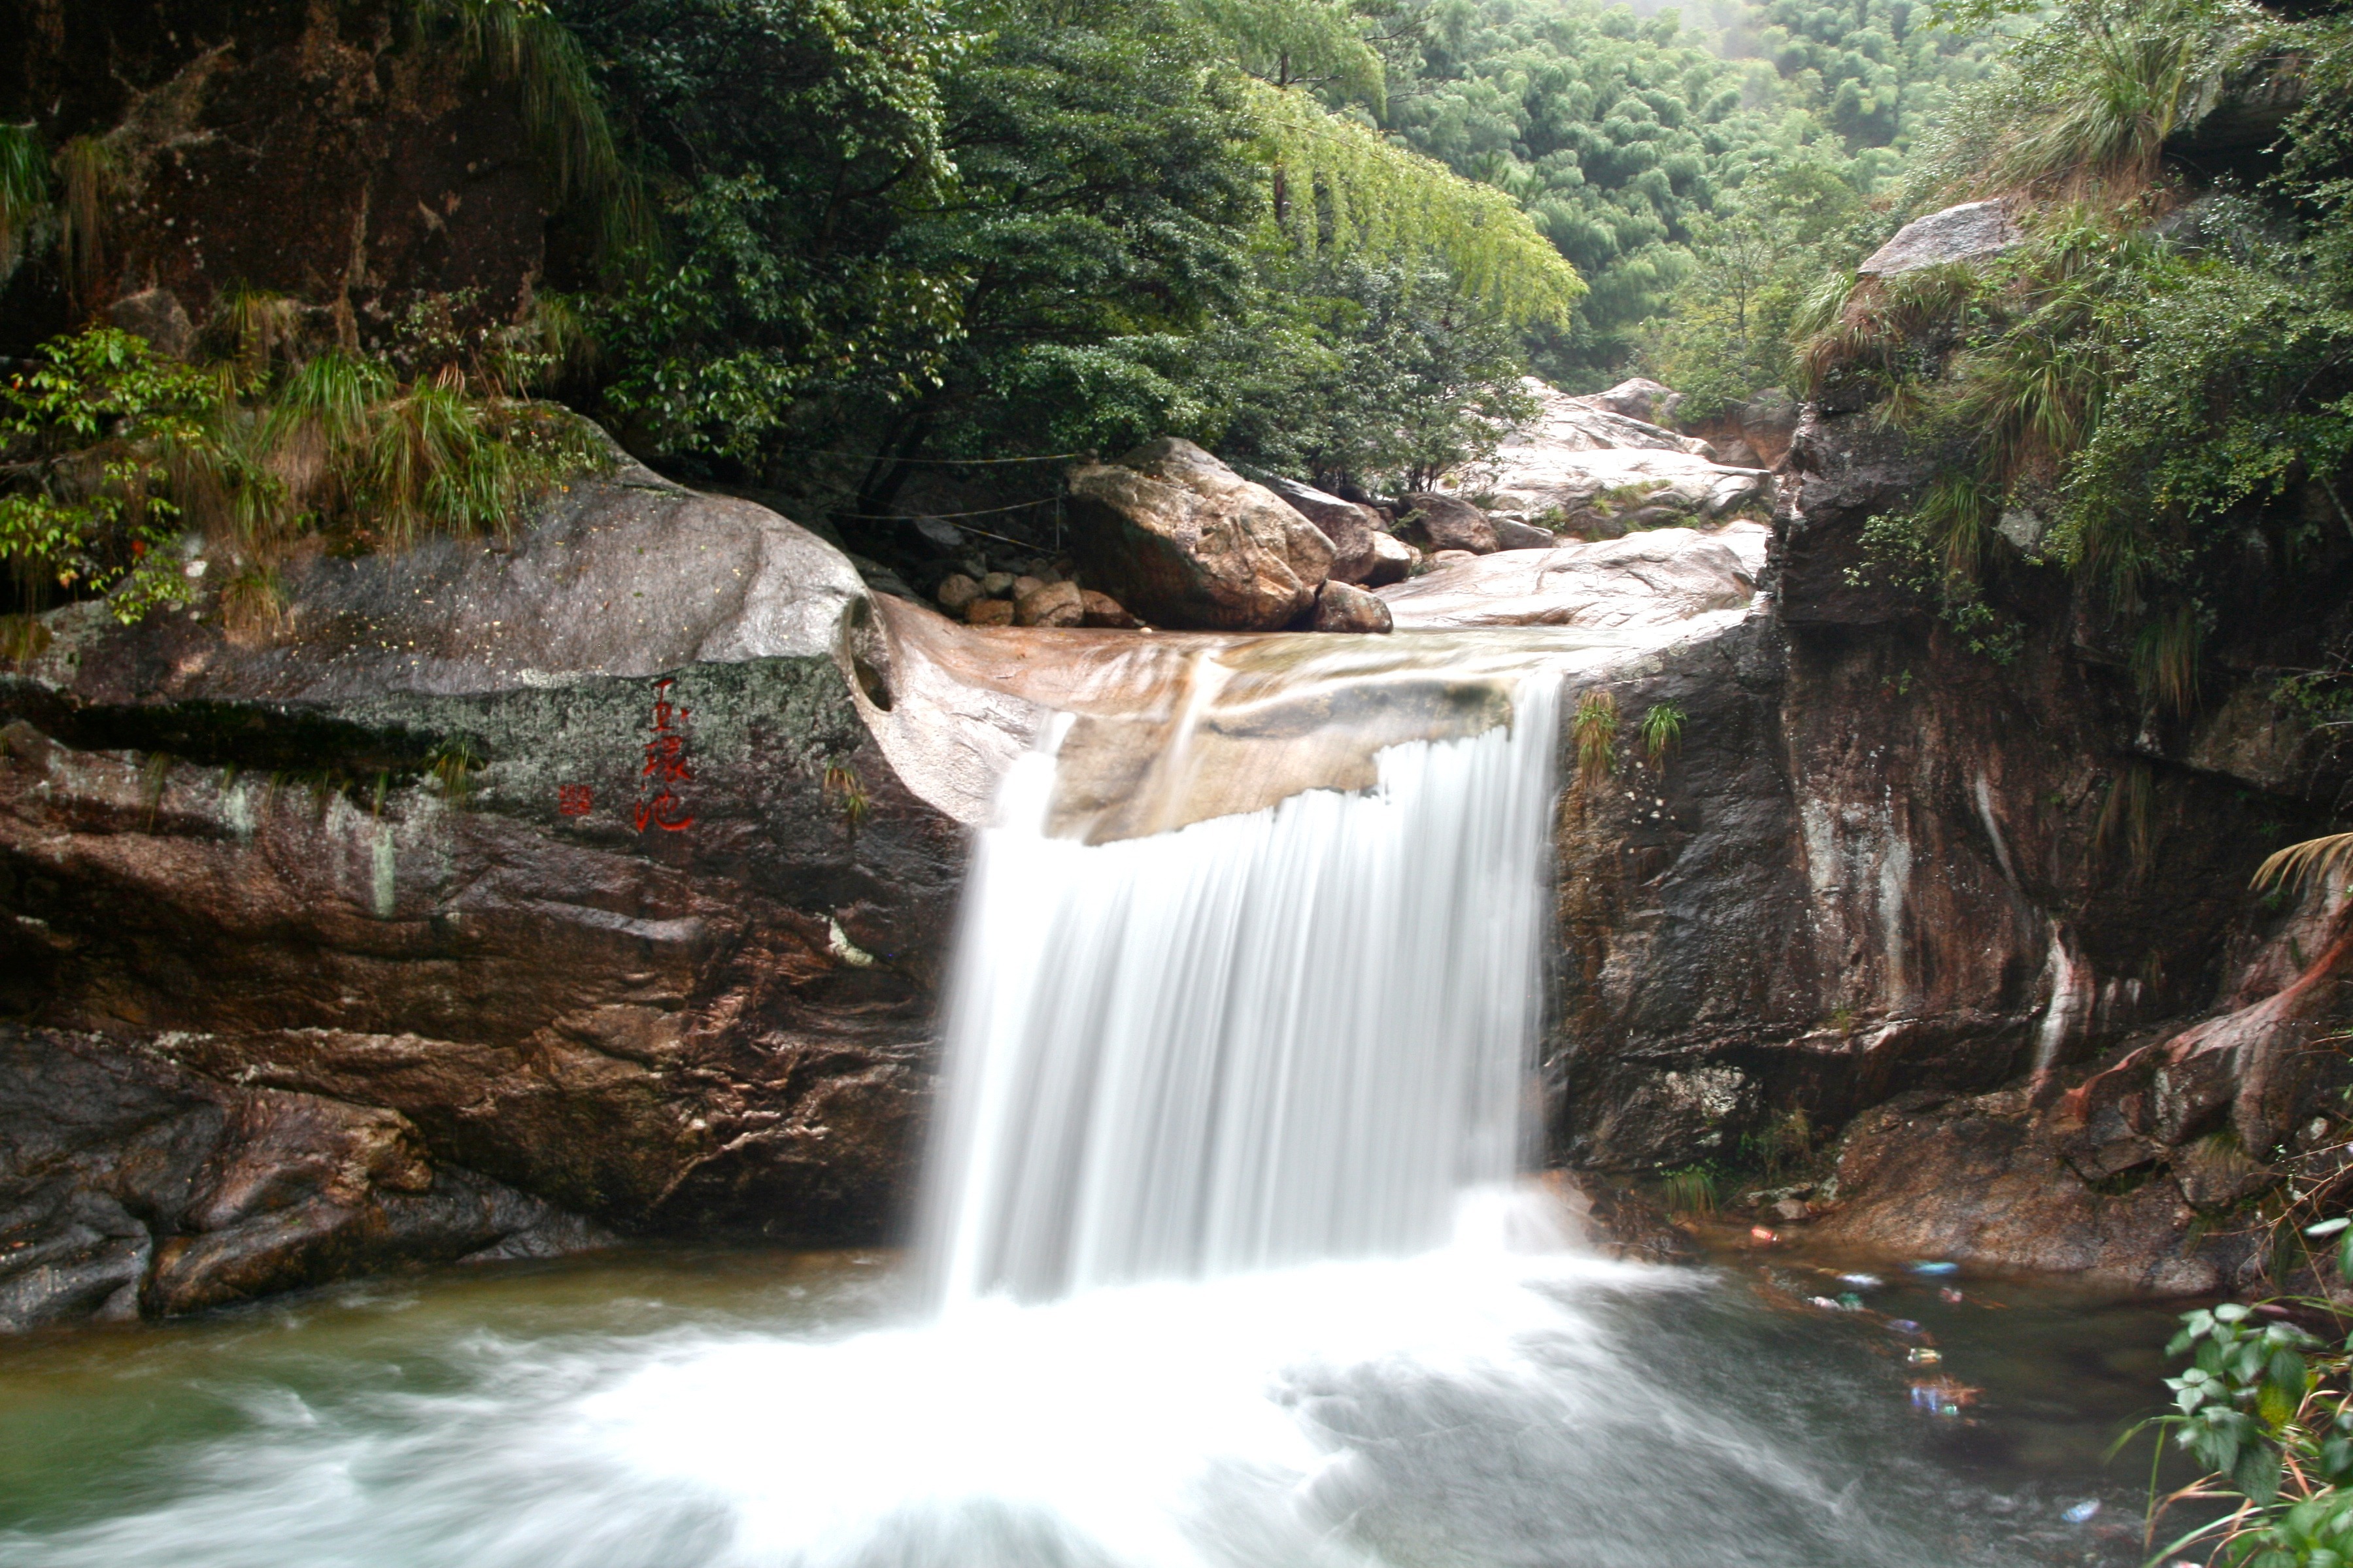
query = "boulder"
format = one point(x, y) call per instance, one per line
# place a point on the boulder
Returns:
point(955, 591)
point(1439, 522)
point(1344, 607)
point(1393, 560)
point(157, 315)
point(989, 613)
point(1972, 231)
point(1351, 526)
point(1640, 398)
point(1103, 610)
point(1184, 541)
point(406, 856)
point(1511, 533)
point(1050, 604)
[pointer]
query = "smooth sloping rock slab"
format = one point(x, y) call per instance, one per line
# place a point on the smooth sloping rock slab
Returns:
point(1596, 424)
point(1652, 579)
point(1569, 480)
point(620, 574)
point(1573, 452)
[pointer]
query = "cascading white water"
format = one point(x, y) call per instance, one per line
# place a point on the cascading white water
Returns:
point(1297, 1033)
point(1242, 1075)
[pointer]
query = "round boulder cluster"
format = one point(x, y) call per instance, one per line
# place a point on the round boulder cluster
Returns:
point(1043, 594)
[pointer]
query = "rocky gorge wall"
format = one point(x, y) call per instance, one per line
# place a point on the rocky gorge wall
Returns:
point(1992, 918)
point(391, 863)
point(517, 895)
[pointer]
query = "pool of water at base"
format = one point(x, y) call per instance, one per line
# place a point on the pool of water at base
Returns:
point(680, 1407)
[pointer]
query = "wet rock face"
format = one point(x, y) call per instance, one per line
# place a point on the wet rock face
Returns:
point(309, 150)
point(130, 1186)
point(574, 858)
point(1983, 1181)
point(1871, 864)
point(1185, 542)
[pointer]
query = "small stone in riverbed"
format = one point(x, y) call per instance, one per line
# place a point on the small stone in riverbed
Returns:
point(996, 584)
point(1050, 604)
point(1103, 610)
point(1025, 585)
point(1448, 557)
point(989, 612)
point(955, 591)
point(1340, 607)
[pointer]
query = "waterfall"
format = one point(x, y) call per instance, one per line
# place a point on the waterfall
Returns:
point(1297, 1033)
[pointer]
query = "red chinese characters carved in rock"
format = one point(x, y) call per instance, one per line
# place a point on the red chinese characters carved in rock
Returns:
point(573, 799)
point(666, 764)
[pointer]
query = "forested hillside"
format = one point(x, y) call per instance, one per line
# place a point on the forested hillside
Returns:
point(824, 249)
point(829, 251)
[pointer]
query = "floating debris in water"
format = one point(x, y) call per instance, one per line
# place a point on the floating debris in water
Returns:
point(1943, 1396)
point(2083, 1512)
point(1921, 1356)
point(1951, 1295)
point(1759, 1234)
point(1934, 1268)
point(1861, 1281)
point(1902, 1326)
point(1849, 1301)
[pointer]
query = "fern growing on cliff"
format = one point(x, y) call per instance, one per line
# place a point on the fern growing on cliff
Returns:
point(1340, 186)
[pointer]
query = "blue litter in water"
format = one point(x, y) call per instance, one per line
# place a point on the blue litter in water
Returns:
point(1902, 1325)
point(2081, 1511)
point(1934, 1268)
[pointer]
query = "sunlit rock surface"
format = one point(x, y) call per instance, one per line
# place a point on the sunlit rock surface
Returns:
point(1650, 579)
point(1573, 453)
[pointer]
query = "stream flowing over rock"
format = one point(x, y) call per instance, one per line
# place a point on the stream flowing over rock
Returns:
point(511, 896)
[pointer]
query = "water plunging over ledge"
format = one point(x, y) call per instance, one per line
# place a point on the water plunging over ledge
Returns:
point(1265, 1039)
point(1238, 1046)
